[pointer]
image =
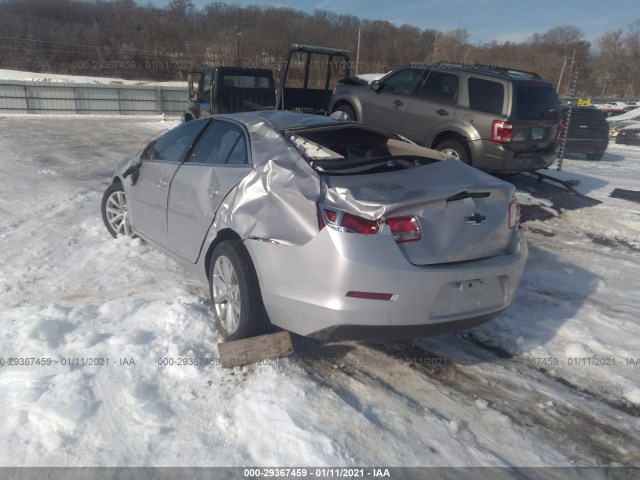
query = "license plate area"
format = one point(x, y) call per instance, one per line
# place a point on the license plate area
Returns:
point(469, 296)
point(537, 133)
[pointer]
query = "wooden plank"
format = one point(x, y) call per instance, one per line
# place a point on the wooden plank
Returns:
point(255, 349)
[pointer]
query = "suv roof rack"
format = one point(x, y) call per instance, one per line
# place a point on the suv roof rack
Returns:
point(502, 71)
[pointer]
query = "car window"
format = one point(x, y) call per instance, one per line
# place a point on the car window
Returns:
point(246, 81)
point(173, 145)
point(223, 143)
point(442, 87)
point(485, 95)
point(207, 83)
point(537, 101)
point(402, 82)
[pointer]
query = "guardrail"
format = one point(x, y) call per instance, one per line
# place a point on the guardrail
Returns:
point(90, 99)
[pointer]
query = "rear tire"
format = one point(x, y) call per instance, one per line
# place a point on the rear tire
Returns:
point(595, 156)
point(347, 110)
point(456, 150)
point(235, 292)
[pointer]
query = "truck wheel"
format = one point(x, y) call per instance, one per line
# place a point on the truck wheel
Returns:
point(455, 149)
point(347, 110)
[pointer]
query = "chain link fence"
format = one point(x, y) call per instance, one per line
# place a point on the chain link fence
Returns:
point(90, 99)
point(598, 135)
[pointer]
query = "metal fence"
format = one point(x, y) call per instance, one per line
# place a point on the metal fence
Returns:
point(90, 99)
point(599, 138)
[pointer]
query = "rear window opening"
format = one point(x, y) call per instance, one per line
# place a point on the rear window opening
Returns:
point(353, 149)
point(537, 101)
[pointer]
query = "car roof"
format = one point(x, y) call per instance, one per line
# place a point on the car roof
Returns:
point(283, 120)
point(480, 69)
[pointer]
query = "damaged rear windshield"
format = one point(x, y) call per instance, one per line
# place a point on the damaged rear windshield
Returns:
point(352, 149)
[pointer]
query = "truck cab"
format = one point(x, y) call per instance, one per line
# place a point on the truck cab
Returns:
point(229, 90)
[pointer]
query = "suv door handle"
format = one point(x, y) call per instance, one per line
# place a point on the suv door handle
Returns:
point(213, 192)
point(442, 111)
point(398, 103)
point(162, 183)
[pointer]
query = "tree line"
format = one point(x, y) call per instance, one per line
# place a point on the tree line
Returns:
point(119, 38)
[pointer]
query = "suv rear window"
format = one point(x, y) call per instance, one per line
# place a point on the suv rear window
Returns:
point(537, 101)
point(485, 95)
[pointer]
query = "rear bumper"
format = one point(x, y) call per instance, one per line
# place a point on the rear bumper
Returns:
point(586, 145)
point(496, 158)
point(628, 138)
point(304, 288)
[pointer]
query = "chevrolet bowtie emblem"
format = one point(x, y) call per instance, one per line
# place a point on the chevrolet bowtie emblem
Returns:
point(476, 219)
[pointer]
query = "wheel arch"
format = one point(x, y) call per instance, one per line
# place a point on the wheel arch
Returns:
point(456, 136)
point(449, 135)
point(223, 235)
point(351, 102)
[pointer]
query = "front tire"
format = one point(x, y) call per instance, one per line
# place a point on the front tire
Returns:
point(347, 110)
point(455, 149)
point(114, 211)
point(235, 292)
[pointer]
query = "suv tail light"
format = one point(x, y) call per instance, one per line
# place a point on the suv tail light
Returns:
point(514, 213)
point(345, 222)
point(404, 229)
point(501, 131)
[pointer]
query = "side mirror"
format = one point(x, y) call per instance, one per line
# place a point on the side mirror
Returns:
point(376, 86)
point(192, 94)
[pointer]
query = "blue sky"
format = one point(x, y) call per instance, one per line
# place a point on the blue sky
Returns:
point(486, 20)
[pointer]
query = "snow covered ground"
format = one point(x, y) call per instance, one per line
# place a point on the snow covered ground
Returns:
point(553, 381)
point(59, 78)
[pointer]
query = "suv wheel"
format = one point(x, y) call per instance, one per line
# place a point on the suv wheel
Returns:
point(455, 149)
point(347, 110)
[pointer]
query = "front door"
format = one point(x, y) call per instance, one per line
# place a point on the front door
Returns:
point(147, 199)
point(386, 107)
point(216, 165)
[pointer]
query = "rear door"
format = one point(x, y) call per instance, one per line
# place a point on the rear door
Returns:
point(147, 199)
point(433, 108)
point(484, 102)
point(386, 108)
point(216, 165)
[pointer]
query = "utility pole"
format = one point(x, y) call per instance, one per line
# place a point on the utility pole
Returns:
point(358, 53)
point(435, 48)
point(238, 33)
point(564, 64)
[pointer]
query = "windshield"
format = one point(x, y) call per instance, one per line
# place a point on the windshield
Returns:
point(537, 101)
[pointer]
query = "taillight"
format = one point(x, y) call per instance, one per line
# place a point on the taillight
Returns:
point(404, 229)
point(561, 128)
point(345, 222)
point(501, 132)
point(514, 213)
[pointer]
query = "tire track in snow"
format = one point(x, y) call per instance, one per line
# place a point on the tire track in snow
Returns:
point(585, 428)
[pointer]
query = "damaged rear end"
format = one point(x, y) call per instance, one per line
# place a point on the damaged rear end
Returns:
point(410, 243)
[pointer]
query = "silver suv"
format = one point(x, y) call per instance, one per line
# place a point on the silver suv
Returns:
point(496, 119)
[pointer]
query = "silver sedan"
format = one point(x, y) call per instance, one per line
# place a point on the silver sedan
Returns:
point(326, 228)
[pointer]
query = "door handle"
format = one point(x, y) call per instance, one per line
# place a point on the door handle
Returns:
point(161, 183)
point(442, 111)
point(213, 192)
point(398, 103)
